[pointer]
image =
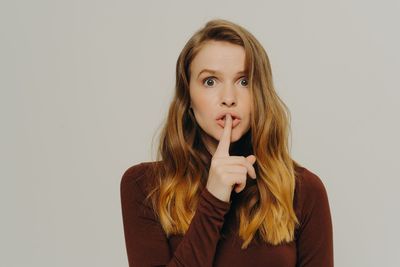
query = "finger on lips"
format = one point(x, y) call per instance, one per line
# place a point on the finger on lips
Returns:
point(225, 140)
point(224, 143)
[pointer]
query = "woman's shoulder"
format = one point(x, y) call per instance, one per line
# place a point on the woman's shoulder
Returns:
point(308, 181)
point(140, 175)
point(309, 190)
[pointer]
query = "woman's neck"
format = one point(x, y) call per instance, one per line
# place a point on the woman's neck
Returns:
point(241, 147)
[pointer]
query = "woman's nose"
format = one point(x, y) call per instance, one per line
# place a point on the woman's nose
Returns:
point(228, 103)
point(228, 97)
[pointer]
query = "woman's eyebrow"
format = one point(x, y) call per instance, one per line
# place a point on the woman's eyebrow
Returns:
point(217, 72)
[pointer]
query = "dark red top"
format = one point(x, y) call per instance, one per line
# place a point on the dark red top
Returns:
point(205, 244)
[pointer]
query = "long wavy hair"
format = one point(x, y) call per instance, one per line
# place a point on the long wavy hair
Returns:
point(265, 211)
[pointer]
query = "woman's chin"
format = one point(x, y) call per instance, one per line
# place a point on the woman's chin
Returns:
point(215, 135)
point(235, 135)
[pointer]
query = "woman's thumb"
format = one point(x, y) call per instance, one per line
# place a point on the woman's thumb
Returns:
point(252, 159)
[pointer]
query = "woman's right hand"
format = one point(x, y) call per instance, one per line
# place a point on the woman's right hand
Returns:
point(228, 172)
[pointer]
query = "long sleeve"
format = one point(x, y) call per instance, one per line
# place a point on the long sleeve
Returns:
point(315, 236)
point(146, 242)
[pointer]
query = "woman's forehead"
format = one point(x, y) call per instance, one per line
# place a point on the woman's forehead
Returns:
point(220, 58)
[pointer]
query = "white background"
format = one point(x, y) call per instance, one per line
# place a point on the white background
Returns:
point(85, 87)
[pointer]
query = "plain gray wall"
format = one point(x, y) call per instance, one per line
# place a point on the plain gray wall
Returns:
point(85, 86)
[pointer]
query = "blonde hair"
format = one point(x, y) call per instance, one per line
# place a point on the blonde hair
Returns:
point(266, 211)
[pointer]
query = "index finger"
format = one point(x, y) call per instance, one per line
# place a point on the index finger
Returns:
point(225, 140)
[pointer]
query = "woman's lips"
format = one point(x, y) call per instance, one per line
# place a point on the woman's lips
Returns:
point(221, 122)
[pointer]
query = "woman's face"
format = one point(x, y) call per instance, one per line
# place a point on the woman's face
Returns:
point(218, 84)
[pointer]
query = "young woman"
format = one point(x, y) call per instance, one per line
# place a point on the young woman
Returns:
point(224, 190)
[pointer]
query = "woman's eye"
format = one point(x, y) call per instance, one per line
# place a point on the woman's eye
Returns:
point(207, 81)
point(246, 82)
